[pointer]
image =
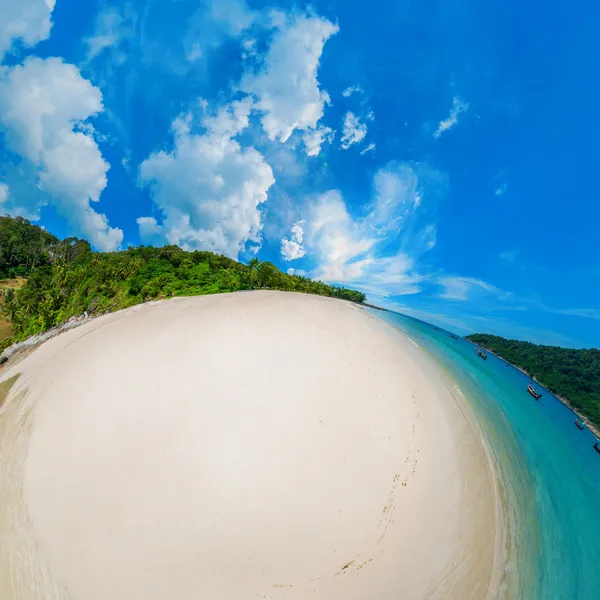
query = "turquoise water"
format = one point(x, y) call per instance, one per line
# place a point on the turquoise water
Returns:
point(549, 472)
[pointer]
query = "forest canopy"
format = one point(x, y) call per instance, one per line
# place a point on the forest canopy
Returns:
point(570, 373)
point(65, 278)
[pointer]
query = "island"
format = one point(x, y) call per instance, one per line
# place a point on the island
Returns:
point(45, 281)
point(573, 375)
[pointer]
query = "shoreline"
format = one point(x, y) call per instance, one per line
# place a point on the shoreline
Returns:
point(595, 430)
point(502, 557)
point(397, 436)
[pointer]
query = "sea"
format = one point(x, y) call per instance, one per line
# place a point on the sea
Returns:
point(548, 471)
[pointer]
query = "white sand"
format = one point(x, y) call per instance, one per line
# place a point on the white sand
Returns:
point(250, 445)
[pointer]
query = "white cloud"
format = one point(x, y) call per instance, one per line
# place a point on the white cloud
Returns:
point(458, 107)
point(500, 191)
point(44, 107)
point(149, 228)
point(353, 131)
point(369, 148)
point(586, 313)
point(397, 194)
point(509, 255)
point(286, 87)
point(292, 249)
point(209, 188)
point(211, 25)
point(353, 89)
point(29, 21)
point(335, 235)
point(460, 288)
point(314, 138)
point(3, 193)
point(355, 250)
point(112, 28)
point(194, 53)
point(234, 15)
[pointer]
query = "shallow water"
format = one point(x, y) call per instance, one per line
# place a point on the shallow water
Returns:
point(549, 472)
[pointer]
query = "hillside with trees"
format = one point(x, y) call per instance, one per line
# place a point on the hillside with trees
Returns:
point(572, 374)
point(65, 278)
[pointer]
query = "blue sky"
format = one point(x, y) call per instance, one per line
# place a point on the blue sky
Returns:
point(441, 157)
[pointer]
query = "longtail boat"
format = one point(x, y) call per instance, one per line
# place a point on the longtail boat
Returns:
point(579, 425)
point(481, 353)
point(454, 337)
point(533, 392)
point(597, 448)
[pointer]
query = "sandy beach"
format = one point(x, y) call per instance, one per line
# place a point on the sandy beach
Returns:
point(248, 445)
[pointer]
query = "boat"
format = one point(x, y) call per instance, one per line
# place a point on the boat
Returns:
point(437, 328)
point(579, 425)
point(532, 391)
point(481, 353)
point(454, 337)
point(597, 448)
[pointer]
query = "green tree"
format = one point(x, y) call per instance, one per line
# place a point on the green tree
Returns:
point(570, 373)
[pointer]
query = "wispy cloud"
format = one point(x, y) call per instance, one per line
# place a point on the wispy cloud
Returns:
point(369, 148)
point(508, 255)
point(586, 313)
point(501, 190)
point(460, 288)
point(458, 107)
point(3, 192)
point(113, 27)
point(356, 250)
point(353, 89)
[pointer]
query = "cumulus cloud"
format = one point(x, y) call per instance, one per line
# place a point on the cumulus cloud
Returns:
point(353, 89)
point(44, 108)
point(458, 107)
point(27, 21)
point(460, 288)
point(291, 249)
point(314, 138)
point(353, 131)
point(208, 188)
point(149, 228)
point(285, 87)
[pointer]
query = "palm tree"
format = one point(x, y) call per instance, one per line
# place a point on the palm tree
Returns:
point(253, 265)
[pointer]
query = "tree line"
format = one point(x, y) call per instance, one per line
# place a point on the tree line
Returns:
point(570, 373)
point(65, 278)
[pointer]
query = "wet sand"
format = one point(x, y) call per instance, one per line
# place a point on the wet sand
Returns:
point(261, 444)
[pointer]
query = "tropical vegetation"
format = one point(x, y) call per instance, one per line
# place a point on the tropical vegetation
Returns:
point(65, 278)
point(567, 372)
